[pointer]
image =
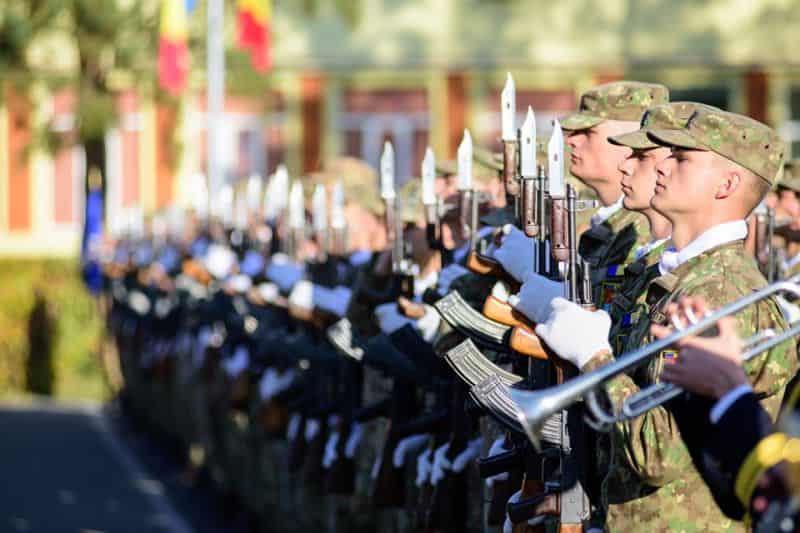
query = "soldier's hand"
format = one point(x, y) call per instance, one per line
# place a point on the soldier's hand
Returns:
point(710, 366)
point(516, 253)
point(574, 333)
point(535, 296)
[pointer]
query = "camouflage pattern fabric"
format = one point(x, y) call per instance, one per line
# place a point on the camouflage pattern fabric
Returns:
point(739, 139)
point(607, 278)
point(619, 100)
point(673, 115)
point(651, 479)
point(790, 179)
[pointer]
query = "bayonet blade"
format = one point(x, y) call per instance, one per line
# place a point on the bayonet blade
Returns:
point(253, 192)
point(555, 162)
point(387, 172)
point(276, 196)
point(528, 145)
point(337, 206)
point(429, 178)
point(297, 219)
point(319, 209)
point(508, 103)
point(465, 162)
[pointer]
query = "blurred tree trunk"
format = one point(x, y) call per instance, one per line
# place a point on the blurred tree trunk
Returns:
point(39, 371)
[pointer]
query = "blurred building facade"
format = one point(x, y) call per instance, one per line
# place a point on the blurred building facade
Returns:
point(349, 75)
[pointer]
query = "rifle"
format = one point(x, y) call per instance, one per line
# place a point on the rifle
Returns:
point(765, 251)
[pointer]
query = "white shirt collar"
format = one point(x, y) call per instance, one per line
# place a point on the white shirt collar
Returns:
point(645, 249)
point(711, 238)
point(604, 213)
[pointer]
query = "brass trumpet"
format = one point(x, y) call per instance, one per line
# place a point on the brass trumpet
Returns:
point(535, 407)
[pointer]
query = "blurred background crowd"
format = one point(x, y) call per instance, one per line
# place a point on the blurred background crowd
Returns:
point(122, 90)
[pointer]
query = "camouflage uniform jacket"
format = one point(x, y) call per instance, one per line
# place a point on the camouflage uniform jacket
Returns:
point(609, 248)
point(652, 479)
point(628, 305)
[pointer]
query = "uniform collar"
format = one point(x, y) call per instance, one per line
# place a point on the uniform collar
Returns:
point(711, 238)
point(604, 213)
point(645, 249)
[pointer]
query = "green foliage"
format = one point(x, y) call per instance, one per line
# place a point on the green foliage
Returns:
point(78, 327)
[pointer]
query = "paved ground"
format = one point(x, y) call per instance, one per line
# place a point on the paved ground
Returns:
point(81, 469)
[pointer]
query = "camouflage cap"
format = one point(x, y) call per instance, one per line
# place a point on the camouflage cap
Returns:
point(742, 140)
point(487, 158)
point(666, 116)
point(409, 199)
point(446, 167)
point(791, 175)
point(619, 100)
point(359, 181)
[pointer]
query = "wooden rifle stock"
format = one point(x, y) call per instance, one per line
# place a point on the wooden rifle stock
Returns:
point(502, 312)
point(410, 309)
point(531, 488)
point(486, 266)
point(525, 342)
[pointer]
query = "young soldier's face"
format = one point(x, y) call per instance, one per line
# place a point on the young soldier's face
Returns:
point(787, 203)
point(593, 159)
point(639, 177)
point(687, 182)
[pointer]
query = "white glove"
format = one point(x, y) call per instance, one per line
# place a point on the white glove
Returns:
point(239, 283)
point(353, 440)
point(575, 333)
point(441, 464)
point(389, 318)
point(302, 295)
point(423, 467)
point(330, 450)
point(333, 300)
point(272, 383)
point(293, 427)
point(448, 275)
point(283, 271)
point(235, 365)
point(428, 325)
point(268, 291)
point(219, 260)
point(516, 253)
point(200, 345)
point(376, 467)
point(470, 453)
point(266, 385)
point(534, 297)
point(312, 429)
point(407, 447)
point(498, 447)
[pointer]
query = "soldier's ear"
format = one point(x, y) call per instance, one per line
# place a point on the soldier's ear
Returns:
point(729, 183)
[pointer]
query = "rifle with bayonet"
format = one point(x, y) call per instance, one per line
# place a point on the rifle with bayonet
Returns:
point(562, 487)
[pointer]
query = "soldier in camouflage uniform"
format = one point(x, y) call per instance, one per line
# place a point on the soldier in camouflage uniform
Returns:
point(638, 184)
point(753, 460)
point(721, 167)
point(787, 220)
point(615, 234)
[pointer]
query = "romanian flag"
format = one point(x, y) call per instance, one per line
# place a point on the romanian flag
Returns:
point(173, 51)
point(253, 35)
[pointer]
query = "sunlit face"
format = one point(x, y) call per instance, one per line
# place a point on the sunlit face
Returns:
point(592, 158)
point(639, 177)
point(787, 203)
point(496, 191)
point(687, 182)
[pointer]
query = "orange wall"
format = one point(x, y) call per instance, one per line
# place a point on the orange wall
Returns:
point(19, 186)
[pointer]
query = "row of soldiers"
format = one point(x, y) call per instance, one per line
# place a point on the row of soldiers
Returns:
point(373, 369)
